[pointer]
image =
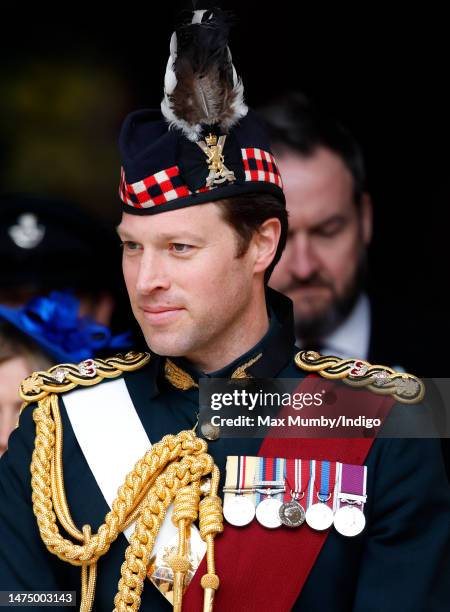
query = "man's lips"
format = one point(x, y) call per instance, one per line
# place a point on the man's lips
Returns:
point(161, 314)
point(157, 309)
point(307, 288)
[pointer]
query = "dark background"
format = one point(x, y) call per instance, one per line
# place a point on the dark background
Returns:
point(66, 87)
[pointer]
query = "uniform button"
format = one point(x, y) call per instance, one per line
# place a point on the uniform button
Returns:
point(210, 431)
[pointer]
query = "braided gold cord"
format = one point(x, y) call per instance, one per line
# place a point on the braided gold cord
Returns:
point(170, 471)
point(174, 465)
point(58, 492)
point(88, 578)
point(176, 476)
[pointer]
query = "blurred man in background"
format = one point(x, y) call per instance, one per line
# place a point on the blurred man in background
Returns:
point(324, 267)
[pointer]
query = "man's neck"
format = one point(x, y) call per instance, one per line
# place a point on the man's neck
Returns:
point(239, 338)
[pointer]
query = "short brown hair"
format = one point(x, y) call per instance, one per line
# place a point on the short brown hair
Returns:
point(247, 212)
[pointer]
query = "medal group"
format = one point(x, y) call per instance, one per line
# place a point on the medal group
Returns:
point(291, 492)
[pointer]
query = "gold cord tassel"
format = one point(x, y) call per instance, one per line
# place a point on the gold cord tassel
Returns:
point(185, 512)
point(170, 472)
point(211, 523)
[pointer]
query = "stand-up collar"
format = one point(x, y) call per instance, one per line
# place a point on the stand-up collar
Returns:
point(267, 358)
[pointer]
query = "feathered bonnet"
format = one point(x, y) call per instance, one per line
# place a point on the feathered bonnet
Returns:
point(204, 144)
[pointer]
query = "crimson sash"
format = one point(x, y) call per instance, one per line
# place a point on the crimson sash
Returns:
point(251, 559)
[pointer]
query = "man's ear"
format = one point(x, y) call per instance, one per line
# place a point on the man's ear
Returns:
point(366, 218)
point(265, 242)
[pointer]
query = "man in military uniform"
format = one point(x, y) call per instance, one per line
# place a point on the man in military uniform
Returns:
point(203, 224)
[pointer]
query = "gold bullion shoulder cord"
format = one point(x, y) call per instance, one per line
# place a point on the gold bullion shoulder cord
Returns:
point(171, 471)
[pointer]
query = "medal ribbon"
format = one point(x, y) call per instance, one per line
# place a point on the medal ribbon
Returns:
point(240, 476)
point(297, 476)
point(326, 480)
point(270, 468)
point(353, 480)
point(240, 473)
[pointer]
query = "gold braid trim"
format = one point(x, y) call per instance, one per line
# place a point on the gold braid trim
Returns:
point(66, 376)
point(405, 388)
point(175, 463)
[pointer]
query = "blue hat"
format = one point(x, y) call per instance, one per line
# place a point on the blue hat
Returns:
point(204, 144)
point(53, 323)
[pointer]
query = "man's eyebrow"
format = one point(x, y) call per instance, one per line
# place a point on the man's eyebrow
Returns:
point(180, 235)
point(122, 233)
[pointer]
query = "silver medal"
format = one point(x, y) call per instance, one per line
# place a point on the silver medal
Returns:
point(267, 513)
point(292, 514)
point(238, 510)
point(349, 521)
point(319, 516)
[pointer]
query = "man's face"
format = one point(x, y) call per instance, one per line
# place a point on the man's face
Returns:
point(186, 286)
point(327, 240)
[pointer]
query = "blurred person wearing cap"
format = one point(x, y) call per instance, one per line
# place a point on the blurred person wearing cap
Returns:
point(51, 244)
point(45, 331)
point(119, 470)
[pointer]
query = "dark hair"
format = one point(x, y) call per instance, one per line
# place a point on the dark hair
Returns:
point(295, 122)
point(247, 212)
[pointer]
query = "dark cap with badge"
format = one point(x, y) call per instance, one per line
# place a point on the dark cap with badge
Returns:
point(49, 243)
point(205, 144)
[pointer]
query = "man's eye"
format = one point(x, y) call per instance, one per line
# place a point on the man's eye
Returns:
point(178, 247)
point(127, 245)
point(328, 231)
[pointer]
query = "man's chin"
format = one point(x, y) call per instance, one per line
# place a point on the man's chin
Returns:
point(312, 310)
point(167, 346)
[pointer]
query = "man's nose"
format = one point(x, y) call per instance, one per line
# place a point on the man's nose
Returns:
point(152, 273)
point(303, 261)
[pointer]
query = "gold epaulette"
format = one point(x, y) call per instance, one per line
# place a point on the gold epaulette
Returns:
point(66, 376)
point(405, 388)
